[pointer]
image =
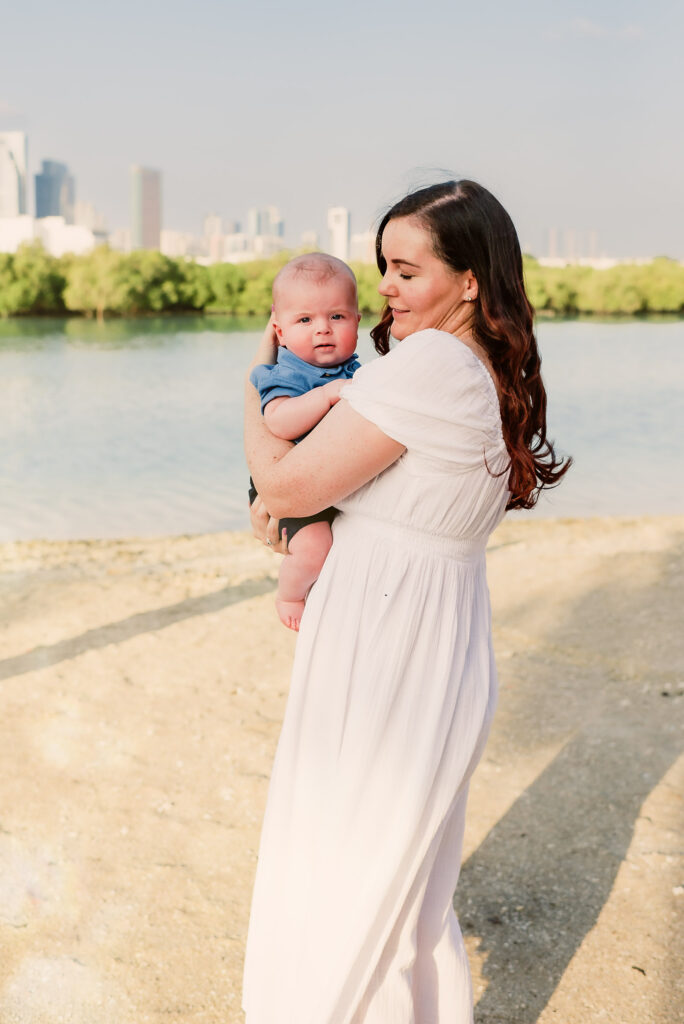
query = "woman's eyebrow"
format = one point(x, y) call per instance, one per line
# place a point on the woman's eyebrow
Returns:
point(406, 263)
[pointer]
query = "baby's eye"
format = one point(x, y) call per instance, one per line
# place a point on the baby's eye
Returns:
point(337, 316)
point(304, 320)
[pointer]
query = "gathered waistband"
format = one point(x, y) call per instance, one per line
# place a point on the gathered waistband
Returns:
point(353, 524)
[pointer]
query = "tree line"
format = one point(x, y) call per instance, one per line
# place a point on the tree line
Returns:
point(106, 282)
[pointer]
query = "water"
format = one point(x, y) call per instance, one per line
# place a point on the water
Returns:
point(134, 427)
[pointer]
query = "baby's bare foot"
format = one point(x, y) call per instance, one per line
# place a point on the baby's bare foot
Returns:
point(290, 613)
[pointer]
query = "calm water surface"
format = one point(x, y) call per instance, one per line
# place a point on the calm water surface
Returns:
point(134, 427)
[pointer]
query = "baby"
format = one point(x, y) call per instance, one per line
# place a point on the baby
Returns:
point(316, 319)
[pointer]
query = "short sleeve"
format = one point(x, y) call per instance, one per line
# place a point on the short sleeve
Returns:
point(271, 382)
point(431, 394)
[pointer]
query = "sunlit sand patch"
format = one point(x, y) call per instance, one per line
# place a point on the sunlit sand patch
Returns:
point(32, 883)
point(58, 739)
point(64, 738)
point(46, 990)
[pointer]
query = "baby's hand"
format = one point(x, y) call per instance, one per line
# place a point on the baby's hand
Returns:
point(333, 390)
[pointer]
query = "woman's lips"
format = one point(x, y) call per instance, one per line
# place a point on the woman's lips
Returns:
point(399, 312)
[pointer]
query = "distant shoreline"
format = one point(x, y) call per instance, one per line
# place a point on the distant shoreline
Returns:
point(255, 320)
point(106, 282)
point(513, 521)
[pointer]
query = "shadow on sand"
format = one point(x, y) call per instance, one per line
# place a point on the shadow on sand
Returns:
point(133, 625)
point(536, 885)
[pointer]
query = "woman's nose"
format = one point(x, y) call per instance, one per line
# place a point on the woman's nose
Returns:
point(386, 287)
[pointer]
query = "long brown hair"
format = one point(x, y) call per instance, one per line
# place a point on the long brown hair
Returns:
point(470, 230)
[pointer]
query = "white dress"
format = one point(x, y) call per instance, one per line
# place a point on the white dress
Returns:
point(393, 690)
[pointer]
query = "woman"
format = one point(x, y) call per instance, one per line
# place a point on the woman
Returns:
point(394, 683)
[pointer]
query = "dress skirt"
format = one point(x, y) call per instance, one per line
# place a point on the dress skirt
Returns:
point(393, 691)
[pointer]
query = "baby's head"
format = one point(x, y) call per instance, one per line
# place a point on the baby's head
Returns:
point(316, 310)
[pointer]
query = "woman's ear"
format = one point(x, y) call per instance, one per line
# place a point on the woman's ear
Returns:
point(470, 286)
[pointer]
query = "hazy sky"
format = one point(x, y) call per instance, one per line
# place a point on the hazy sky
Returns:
point(570, 112)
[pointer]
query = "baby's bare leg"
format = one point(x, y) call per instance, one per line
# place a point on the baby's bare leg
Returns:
point(308, 549)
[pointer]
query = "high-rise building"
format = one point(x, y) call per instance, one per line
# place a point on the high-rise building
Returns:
point(213, 225)
point(309, 241)
point(339, 228)
point(13, 162)
point(266, 221)
point(253, 222)
point(145, 208)
point(55, 191)
point(362, 247)
point(179, 243)
point(87, 216)
point(276, 224)
point(120, 239)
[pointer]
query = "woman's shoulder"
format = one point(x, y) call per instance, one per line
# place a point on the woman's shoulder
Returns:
point(429, 382)
point(440, 364)
point(427, 362)
point(449, 346)
point(427, 353)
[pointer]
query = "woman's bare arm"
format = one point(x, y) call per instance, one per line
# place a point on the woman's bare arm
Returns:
point(341, 454)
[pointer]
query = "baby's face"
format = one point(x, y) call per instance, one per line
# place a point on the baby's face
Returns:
point(319, 321)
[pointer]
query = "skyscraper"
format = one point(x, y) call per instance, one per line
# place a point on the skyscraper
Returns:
point(145, 208)
point(309, 241)
point(55, 191)
point(213, 225)
point(276, 225)
point(253, 222)
point(266, 221)
point(339, 225)
point(13, 161)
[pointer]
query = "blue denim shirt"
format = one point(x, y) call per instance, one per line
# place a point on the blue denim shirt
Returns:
point(291, 376)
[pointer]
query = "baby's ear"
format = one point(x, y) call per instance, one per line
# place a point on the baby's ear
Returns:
point(279, 332)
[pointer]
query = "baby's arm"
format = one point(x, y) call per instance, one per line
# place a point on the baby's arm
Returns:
point(289, 418)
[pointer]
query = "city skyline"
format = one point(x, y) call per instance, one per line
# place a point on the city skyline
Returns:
point(64, 224)
point(54, 195)
point(221, 238)
point(567, 113)
point(54, 189)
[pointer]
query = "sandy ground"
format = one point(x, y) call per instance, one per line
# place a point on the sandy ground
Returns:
point(143, 683)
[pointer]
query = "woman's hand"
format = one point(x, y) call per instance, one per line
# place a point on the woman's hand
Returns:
point(265, 527)
point(333, 390)
point(267, 351)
